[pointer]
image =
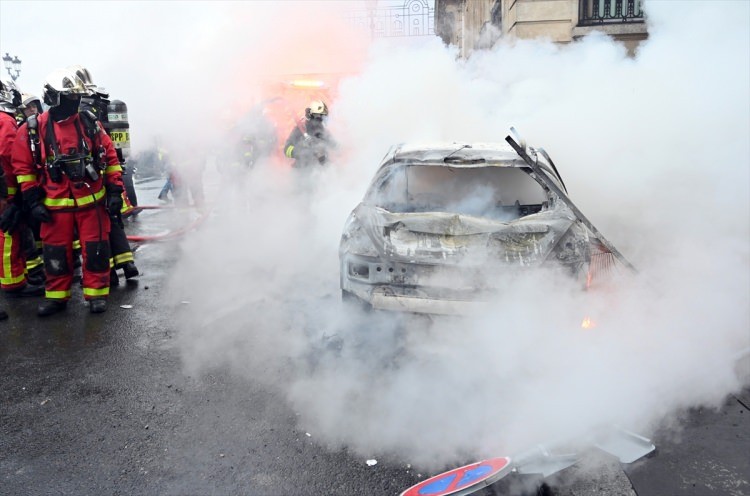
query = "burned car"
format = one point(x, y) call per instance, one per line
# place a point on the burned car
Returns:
point(441, 226)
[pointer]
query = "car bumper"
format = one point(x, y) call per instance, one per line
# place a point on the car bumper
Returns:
point(416, 288)
point(395, 303)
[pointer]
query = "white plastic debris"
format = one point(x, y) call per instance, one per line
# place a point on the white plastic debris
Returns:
point(126, 306)
point(308, 434)
point(184, 302)
point(370, 463)
point(45, 402)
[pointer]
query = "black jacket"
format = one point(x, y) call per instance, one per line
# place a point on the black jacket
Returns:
point(308, 147)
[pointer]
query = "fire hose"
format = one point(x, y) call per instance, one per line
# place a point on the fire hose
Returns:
point(170, 234)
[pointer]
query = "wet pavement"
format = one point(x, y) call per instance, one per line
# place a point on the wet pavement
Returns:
point(709, 455)
point(101, 404)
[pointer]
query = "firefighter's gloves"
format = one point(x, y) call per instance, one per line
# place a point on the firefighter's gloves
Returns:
point(316, 147)
point(40, 213)
point(10, 218)
point(319, 152)
point(114, 200)
point(32, 199)
point(114, 204)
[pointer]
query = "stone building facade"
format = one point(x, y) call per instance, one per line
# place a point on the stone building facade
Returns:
point(476, 24)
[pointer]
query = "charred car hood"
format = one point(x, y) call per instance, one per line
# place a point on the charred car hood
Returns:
point(449, 238)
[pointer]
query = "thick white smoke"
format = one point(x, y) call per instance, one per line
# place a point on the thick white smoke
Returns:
point(654, 149)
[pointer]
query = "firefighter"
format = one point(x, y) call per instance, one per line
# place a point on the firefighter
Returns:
point(254, 139)
point(80, 186)
point(187, 179)
point(309, 146)
point(30, 105)
point(30, 237)
point(165, 166)
point(13, 280)
point(122, 256)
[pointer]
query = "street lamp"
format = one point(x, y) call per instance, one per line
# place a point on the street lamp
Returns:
point(12, 65)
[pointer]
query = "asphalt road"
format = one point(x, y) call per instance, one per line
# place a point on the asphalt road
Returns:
point(101, 404)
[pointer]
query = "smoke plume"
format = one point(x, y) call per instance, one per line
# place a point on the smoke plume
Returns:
point(654, 149)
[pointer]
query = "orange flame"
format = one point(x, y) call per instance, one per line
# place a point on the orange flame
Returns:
point(587, 323)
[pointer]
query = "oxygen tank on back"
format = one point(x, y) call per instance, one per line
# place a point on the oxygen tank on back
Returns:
point(117, 125)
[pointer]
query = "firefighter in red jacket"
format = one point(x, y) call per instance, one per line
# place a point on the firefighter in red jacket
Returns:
point(31, 107)
point(122, 255)
point(74, 182)
point(13, 278)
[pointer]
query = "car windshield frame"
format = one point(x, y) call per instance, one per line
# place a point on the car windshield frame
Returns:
point(497, 191)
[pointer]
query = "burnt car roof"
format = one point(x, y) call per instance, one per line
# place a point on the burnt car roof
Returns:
point(458, 153)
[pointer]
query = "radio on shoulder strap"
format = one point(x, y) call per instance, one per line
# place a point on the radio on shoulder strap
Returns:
point(33, 127)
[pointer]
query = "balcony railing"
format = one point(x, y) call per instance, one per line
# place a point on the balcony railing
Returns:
point(410, 18)
point(594, 12)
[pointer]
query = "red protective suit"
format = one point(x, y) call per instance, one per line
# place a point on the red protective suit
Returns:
point(72, 203)
point(13, 269)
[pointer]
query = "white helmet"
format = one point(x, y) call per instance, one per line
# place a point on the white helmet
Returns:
point(63, 82)
point(27, 98)
point(317, 107)
point(30, 101)
point(10, 97)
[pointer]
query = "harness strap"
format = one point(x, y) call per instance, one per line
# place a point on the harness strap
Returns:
point(51, 139)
